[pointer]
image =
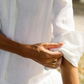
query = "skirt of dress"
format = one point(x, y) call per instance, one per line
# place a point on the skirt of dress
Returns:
point(48, 77)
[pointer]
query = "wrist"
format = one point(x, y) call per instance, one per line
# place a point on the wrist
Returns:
point(24, 50)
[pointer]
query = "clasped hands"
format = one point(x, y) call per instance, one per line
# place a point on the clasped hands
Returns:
point(40, 53)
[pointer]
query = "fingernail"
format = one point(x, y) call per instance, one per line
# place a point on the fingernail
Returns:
point(61, 43)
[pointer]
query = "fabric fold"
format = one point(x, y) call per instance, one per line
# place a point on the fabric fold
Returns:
point(48, 77)
point(73, 47)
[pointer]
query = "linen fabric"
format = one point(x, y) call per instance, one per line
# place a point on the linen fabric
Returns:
point(48, 77)
point(29, 22)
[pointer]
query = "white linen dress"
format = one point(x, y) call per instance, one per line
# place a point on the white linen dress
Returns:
point(29, 22)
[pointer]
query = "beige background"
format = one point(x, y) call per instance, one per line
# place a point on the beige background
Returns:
point(79, 15)
point(79, 25)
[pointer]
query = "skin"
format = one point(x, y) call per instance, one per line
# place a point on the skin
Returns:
point(37, 52)
point(41, 54)
point(69, 73)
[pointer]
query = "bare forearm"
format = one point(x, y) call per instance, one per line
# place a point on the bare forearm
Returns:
point(69, 73)
point(9, 45)
point(38, 52)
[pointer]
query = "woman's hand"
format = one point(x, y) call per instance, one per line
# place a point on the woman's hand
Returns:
point(41, 54)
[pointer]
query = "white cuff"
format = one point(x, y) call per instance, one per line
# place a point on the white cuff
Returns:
point(73, 47)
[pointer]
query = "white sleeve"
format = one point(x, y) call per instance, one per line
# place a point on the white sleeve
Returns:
point(0, 25)
point(64, 31)
point(0, 22)
point(0, 18)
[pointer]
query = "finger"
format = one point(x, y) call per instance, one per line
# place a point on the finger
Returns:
point(49, 61)
point(49, 54)
point(61, 43)
point(53, 67)
point(59, 61)
point(56, 54)
point(52, 45)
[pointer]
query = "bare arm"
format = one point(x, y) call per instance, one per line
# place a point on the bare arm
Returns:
point(9, 45)
point(69, 73)
point(38, 52)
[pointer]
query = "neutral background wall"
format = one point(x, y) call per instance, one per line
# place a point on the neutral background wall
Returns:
point(79, 23)
point(79, 0)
